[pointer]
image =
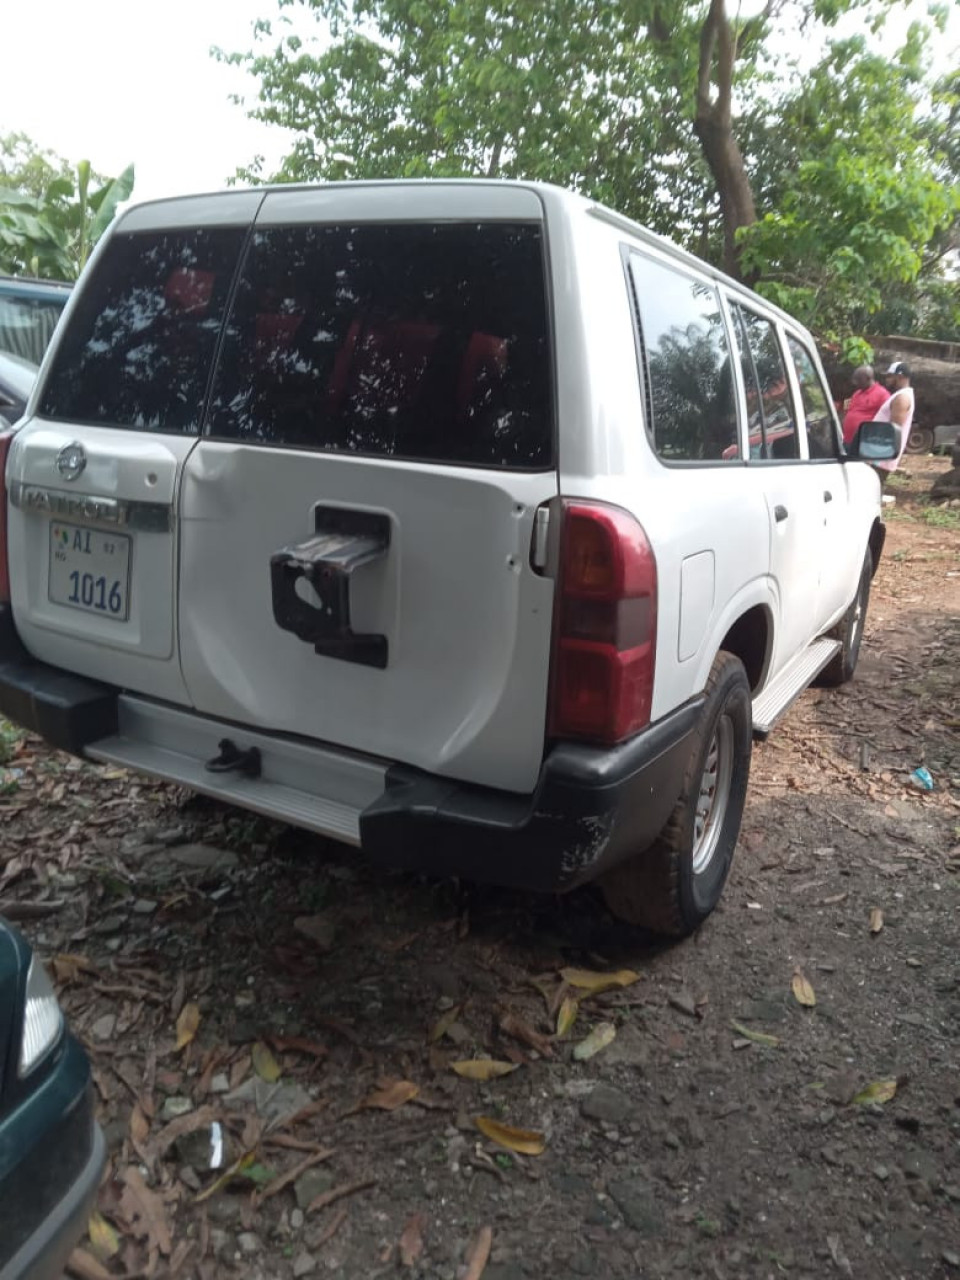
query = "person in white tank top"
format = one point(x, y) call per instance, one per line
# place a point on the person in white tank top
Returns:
point(898, 410)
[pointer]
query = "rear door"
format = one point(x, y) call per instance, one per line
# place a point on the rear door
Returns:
point(94, 475)
point(356, 521)
point(792, 489)
point(842, 547)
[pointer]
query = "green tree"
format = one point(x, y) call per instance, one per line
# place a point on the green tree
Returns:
point(817, 184)
point(856, 198)
point(51, 215)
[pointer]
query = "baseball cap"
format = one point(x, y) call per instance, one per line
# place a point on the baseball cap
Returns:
point(898, 367)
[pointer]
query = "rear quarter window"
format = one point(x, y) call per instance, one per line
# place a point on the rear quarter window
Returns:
point(690, 389)
point(139, 346)
point(419, 341)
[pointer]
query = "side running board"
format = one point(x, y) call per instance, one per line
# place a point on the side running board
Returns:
point(773, 701)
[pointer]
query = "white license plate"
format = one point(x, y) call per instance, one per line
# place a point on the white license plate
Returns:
point(90, 570)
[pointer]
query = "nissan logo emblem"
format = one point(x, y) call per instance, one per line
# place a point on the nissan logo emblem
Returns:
point(71, 460)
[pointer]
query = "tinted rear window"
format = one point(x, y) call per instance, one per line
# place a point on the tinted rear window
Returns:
point(410, 340)
point(139, 346)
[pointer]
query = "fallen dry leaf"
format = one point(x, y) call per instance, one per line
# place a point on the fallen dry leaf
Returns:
point(444, 1023)
point(876, 920)
point(803, 992)
point(67, 968)
point(479, 1254)
point(567, 1016)
point(331, 1229)
point(594, 983)
point(876, 1091)
point(757, 1037)
point(265, 1064)
point(181, 1126)
point(278, 1184)
point(523, 1141)
point(603, 1033)
point(103, 1238)
point(139, 1125)
point(482, 1069)
point(411, 1242)
point(337, 1193)
point(145, 1210)
point(187, 1024)
point(299, 1044)
point(516, 1027)
point(239, 1167)
point(390, 1097)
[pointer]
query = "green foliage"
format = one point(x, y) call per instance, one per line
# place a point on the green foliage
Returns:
point(850, 223)
point(52, 216)
point(851, 163)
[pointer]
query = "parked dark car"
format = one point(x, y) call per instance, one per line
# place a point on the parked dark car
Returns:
point(51, 1149)
point(29, 311)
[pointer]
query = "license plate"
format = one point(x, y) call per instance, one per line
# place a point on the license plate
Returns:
point(90, 570)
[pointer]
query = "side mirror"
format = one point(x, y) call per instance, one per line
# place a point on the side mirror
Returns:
point(875, 442)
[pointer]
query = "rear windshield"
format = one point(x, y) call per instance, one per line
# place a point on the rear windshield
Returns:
point(138, 349)
point(421, 341)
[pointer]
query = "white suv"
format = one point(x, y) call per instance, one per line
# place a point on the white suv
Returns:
point(465, 522)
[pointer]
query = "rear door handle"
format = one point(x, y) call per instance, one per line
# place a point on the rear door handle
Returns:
point(827, 495)
point(780, 513)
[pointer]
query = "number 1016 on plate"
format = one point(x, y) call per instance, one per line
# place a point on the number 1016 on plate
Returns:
point(90, 570)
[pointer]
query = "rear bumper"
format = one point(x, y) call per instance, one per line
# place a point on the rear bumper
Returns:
point(591, 808)
point(49, 1191)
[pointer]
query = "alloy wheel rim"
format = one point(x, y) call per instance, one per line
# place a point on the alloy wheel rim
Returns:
point(713, 796)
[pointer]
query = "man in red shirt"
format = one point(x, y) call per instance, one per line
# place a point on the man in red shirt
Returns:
point(864, 402)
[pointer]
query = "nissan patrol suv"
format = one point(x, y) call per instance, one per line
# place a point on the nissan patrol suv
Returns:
point(464, 522)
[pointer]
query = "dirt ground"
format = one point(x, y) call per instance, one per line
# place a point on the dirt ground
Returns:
point(272, 1024)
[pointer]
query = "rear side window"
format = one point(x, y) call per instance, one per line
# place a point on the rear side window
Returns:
point(773, 431)
point(690, 385)
point(139, 346)
point(425, 341)
point(822, 438)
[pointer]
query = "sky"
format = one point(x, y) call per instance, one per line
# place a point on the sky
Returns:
point(115, 81)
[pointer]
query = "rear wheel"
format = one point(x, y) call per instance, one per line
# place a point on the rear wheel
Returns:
point(849, 631)
point(673, 886)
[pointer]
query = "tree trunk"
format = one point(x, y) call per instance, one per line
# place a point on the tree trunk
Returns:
point(713, 126)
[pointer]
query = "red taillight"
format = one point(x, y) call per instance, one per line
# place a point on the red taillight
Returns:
point(5, 438)
point(604, 627)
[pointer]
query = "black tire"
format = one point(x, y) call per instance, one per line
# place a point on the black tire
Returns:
point(663, 889)
point(849, 631)
point(920, 440)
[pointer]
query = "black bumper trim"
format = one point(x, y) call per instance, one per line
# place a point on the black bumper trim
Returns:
point(68, 711)
point(592, 808)
point(44, 1255)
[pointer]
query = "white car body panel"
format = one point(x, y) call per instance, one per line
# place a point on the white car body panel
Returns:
point(467, 617)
